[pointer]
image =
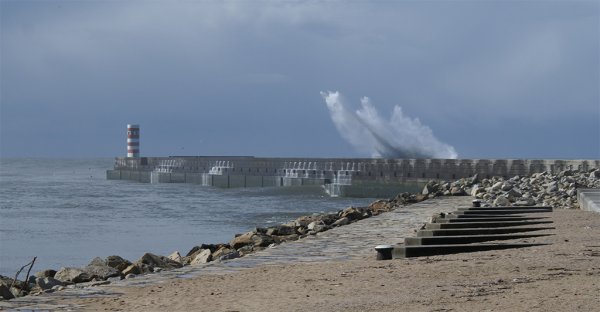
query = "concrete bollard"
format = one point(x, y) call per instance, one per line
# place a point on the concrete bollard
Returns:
point(384, 252)
point(477, 203)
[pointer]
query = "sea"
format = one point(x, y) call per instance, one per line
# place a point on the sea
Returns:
point(65, 212)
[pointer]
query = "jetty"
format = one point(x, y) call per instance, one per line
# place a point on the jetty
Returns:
point(349, 177)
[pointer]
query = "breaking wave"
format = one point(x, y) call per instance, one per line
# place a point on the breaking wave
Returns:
point(369, 133)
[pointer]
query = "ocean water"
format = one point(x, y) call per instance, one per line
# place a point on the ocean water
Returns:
point(65, 212)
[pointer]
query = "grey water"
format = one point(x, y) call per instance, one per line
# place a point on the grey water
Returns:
point(65, 212)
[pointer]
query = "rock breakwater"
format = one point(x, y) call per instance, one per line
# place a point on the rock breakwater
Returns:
point(546, 189)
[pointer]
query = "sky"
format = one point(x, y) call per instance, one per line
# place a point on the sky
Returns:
point(484, 79)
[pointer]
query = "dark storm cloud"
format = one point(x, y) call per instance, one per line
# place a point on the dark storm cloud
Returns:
point(491, 78)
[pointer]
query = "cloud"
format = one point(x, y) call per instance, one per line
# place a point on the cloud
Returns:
point(460, 65)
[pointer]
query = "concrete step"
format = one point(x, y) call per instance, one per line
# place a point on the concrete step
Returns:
point(500, 212)
point(460, 215)
point(479, 231)
point(516, 208)
point(507, 207)
point(488, 224)
point(434, 250)
point(468, 239)
point(488, 219)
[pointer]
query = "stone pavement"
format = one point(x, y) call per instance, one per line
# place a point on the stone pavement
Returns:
point(356, 240)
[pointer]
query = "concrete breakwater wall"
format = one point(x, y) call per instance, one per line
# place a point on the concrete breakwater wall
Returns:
point(360, 177)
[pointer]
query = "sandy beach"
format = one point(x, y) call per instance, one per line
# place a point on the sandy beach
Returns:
point(561, 276)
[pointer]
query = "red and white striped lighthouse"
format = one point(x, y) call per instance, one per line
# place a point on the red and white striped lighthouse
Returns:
point(133, 140)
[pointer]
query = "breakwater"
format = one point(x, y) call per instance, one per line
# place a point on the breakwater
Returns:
point(352, 177)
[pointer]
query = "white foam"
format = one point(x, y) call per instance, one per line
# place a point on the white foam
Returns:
point(400, 137)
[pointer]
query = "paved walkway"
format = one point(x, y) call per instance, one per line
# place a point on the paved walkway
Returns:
point(356, 240)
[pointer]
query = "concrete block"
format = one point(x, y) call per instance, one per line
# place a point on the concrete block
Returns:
point(164, 177)
point(589, 199)
point(194, 178)
point(254, 181)
point(501, 212)
point(465, 239)
point(516, 208)
point(237, 181)
point(479, 231)
point(145, 176)
point(488, 224)
point(435, 250)
point(177, 177)
point(113, 174)
point(505, 208)
point(488, 219)
point(220, 180)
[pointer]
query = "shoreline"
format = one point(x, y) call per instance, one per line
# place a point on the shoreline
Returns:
point(562, 275)
point(114, 268)
point(312, 226)
point(333, 245)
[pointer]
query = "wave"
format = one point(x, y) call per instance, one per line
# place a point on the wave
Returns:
point(399, 137)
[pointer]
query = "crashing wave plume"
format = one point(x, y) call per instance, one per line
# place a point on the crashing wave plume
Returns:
point(400, 137)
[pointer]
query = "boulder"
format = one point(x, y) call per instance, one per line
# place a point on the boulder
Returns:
point(242, 240)
point(5, 292)
point(340, 222)
point(474, 179)
point(102, 272)
point(304, 220)
point(428, 189)
point(225, 253)
point(281, 230)
point(131, 269)
point(136, 269)
point(251, 238)
point(317, 226)
point(513, 192)
point(328, 218)
point(262, 240)
point(288, 238)
point(381, 205)
point(551, 187)
point(501, 201)
point(72, 275)
point(506, 186)
point(192, 251)
point(117, 262)
point(420, 197)
point(222, 251)
point(497, 186)
point(203, 256)
point(353, 213)
point(19, 288)
point(476, 190)
point(153, 261)
point(45, 273)
point(97, 261)
point(230, 255)
point(45, 283)
point(175, 256)
point(457, 191)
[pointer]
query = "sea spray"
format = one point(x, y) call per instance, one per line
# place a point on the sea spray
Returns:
point(369, 133)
